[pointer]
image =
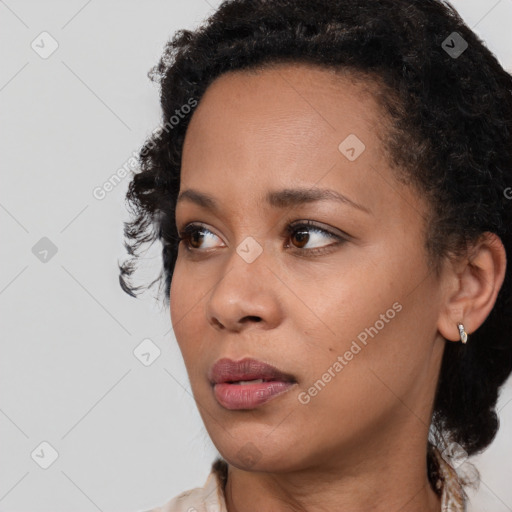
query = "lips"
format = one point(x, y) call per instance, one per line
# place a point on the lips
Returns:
point(247, 384)
point(229, 371)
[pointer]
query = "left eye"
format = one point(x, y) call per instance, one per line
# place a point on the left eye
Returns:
point(307, 232)
point(304, 233)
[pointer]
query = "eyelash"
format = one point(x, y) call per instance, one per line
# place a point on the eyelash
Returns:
point(186, 233)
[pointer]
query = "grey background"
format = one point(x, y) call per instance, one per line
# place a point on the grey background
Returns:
point(128, 436)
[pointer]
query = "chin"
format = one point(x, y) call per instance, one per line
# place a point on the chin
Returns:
point(256, 448)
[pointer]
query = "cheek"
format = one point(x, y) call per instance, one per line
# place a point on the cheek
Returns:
point(383, 332)
point(188, 298)
point(176, 299)
point(368, 312)
point(185, 303)
point(186, 291)
point(348, 301)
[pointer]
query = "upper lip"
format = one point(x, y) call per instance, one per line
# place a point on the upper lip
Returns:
point(227, 370)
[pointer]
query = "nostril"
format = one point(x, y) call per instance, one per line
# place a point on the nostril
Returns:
point(253, 318)
point(217, 323)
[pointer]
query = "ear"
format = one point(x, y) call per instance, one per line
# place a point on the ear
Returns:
point(472, 285)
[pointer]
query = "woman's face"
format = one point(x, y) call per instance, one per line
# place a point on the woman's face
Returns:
point(351, 319)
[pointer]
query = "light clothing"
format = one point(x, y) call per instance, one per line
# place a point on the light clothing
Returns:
point(210, 497)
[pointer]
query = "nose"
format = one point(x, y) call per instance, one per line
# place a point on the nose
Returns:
point(247, 294)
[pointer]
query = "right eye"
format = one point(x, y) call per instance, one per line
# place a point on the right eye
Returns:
point(193, 235)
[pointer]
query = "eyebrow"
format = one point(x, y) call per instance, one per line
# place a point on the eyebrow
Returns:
point(279, 199)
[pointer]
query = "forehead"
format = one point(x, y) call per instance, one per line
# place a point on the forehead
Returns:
point(288, 102)
point(286, 126)
point(288, 108)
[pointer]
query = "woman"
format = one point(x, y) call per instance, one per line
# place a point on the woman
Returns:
point(331, 185)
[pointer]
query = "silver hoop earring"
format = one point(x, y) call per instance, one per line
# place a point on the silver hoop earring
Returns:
point(463, 333)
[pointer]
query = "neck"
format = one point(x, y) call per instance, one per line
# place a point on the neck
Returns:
point(393, 479)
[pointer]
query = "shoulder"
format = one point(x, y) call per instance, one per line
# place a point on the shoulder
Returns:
point(188, 501)
point(208, 498)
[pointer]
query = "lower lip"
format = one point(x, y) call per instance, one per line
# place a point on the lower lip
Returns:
point(248, 396)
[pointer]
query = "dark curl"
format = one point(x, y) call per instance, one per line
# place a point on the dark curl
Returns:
point(450, 136)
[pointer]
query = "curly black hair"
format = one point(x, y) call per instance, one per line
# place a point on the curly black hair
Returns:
point(449, 135)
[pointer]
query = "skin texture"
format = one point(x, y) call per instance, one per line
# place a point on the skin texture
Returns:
point(360, 442)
